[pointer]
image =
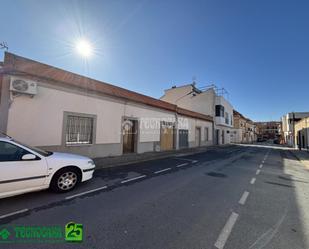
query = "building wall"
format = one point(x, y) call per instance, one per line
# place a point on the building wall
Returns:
point(4, 101)
point(203, 102)
point(302, 134)
point(288, 120)
point(220, 100)
point(269, 130)
point(38, 121)
point(236, 135)
point(199, 102)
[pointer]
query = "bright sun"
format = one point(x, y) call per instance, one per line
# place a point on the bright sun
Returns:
point(84, 48)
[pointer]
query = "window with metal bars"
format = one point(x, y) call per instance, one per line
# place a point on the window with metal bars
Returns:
point(79, 130)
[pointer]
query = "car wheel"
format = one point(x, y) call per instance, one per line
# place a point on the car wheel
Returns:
point(65, 180)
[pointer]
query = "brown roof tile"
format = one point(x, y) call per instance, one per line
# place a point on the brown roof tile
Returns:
point(14, 63)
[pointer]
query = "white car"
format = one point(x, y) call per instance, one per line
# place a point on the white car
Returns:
point(25, 169)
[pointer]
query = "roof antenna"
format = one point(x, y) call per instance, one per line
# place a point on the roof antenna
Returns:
point(4, 45)
point(193, 80)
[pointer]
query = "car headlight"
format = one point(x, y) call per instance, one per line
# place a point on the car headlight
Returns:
point(91, 163)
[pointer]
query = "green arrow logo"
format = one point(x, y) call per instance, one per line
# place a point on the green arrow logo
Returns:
point(4, 234)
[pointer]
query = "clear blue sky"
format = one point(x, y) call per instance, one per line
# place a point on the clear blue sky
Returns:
point(258, 50)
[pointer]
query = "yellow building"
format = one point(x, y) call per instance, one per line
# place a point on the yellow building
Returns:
point(302, 133)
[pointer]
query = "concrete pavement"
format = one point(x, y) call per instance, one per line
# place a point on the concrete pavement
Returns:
point(236, 197)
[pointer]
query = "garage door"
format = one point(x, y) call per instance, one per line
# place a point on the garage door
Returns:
point(183, 138)
point(167, 136)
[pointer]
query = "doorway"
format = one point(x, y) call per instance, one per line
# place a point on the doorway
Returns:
point(167, 136)
point(183, 138)
point(217, 134)
point(129, 131)
point(223, 137)
point(198, 136)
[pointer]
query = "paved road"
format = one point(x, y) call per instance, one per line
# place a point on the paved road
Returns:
point(231, 197)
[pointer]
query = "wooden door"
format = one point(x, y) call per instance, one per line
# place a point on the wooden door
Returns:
point(129, 136)
point(167, 136)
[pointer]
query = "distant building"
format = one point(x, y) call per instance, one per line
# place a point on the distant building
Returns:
point(268, 130)
point(209, 101)
point(244, 129)
point(288, 122)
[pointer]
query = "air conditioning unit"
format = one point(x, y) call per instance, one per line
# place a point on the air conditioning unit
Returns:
point(23, 86)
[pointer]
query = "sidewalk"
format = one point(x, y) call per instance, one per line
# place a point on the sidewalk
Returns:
point(302, 156)
point(114, 161)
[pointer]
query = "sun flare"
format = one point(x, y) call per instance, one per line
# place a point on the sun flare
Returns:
point(84, 48)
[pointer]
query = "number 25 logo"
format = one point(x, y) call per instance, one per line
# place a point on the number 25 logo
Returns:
point(74, 232)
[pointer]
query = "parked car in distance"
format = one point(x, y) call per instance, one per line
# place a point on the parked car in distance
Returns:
point(26, 169)
point(277, 141)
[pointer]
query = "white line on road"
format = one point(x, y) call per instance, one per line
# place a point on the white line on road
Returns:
point(252, 180)
point(133, 179)
point(13, 213)
point(263, 161)
point(162, 170)
point(258, 172)
point(243, 198)
point(261, 166)
point(226, 231)
point(181, 165)
point(186, 159)
point(86, 192)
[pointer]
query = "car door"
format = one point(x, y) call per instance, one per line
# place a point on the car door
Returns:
point(18, 175)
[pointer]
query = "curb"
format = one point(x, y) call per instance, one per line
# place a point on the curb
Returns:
point(159, 156)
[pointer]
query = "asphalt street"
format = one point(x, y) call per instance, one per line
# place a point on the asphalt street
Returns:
point(230, 197)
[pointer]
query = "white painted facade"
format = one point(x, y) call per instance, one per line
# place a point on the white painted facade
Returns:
point(38, 121)
point(191, 98)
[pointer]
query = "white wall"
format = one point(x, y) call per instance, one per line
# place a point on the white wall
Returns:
point(201, 103)
point(38, 121)
point(193, 123)
point(220, 100)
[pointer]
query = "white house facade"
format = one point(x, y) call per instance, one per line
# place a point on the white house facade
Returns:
point(208, 103)
point(62, 111)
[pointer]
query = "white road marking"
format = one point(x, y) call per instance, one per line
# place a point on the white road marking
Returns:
point(243, 198)
point(226, 231)
point(263, 161)
point(86, 192)
point(252, 180)
point(186, 159)
point(258, 172)
point(13, 213)
point(181, 165)
point(133, 179)
point(261, 166)
point(162, 170)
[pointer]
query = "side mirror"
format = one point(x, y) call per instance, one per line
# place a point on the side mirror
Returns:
point(28, 157)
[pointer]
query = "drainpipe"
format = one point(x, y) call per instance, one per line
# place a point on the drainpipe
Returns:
point(307, 137)
point(293, 132)
point(176, 131)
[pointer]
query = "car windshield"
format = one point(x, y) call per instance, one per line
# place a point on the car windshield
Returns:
point(35, 149)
